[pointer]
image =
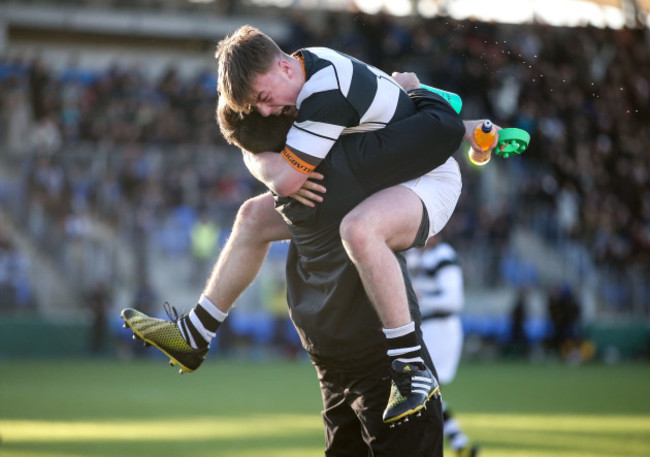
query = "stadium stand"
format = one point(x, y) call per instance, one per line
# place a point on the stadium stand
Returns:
point(114, 153)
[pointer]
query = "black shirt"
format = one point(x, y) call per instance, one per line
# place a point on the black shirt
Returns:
point(327, 301)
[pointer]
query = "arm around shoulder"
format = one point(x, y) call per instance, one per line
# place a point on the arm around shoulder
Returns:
point(410, 147)
point(445, 127)
point(275, 172)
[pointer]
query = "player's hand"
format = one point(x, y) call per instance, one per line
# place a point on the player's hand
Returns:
point(307, 194)
point(470, 126)
point(408, 80)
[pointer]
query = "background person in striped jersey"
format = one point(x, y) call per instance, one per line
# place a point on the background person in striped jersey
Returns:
point(438, 281)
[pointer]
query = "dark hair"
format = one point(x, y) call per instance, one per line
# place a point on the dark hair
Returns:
point(251, 131)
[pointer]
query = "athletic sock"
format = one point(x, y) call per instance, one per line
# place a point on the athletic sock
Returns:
point(201, 324)
point(453, 432)
point(403, 344)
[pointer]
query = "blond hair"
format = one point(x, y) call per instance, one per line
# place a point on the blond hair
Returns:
point(242, 56)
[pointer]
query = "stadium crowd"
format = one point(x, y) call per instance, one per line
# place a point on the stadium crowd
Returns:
point(582, 93)
point(15, 290)
point(144, 154)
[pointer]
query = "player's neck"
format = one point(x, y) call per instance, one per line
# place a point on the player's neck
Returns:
point(298, 66)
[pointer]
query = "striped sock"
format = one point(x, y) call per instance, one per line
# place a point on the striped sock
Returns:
point(453, 432)
point(403, 344)
point(201, 324)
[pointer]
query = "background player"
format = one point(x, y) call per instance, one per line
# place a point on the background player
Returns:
point(438, 281)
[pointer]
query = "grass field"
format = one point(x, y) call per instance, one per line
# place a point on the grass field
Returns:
point(106, 408)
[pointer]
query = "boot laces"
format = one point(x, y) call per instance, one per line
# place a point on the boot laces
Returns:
point(172, 313)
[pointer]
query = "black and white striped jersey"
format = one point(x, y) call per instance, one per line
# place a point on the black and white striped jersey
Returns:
point(341, 95)
point(438, 279)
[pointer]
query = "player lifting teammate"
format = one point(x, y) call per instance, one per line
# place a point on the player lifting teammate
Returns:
point(330, 94)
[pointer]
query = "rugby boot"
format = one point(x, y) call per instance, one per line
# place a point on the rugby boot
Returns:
point(166, 336)
point(412, 387)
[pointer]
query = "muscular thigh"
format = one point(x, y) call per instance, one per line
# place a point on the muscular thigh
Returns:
point(392, 214)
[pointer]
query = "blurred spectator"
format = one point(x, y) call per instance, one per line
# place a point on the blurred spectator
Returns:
point(15, 115)
point(564, 314)
point(285, 337)
point(39, 84)
point(15, 289)
point(205, 242)
point(99, 301)
point(45, 136)
point(6, 292)
point(518, 344)
point(145, 297)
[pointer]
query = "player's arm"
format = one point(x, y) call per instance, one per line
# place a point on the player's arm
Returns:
point(271, 169)
point(308, 141)
point(389, 156)
point(410, 81)
point(275, 172)
point(254, 135)
point(408, 148)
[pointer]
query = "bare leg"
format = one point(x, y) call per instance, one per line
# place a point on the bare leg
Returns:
point(385, 222)
point(257, 224)
point(186, 339)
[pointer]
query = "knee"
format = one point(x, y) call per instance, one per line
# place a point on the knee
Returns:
point(249, 218)
point(356, 235)
point(257, 222)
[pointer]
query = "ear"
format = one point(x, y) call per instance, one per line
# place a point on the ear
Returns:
point(285, 67)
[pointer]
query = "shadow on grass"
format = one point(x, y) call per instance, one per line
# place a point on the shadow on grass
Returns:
point(298, 445)
point(569, 443)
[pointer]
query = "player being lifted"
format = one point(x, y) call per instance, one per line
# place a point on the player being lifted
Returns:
point(329, 94)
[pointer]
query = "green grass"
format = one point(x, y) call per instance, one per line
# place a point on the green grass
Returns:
point(105, 408)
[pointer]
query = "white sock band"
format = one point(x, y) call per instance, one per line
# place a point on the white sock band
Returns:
point(399, 331)
point(401, 351)
point(215, 312)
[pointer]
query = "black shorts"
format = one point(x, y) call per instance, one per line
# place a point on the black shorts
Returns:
point(353, 403)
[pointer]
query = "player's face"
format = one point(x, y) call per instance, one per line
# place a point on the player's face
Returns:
point(277, 91)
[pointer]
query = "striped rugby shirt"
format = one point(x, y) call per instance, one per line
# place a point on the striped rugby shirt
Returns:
point(439, 280)
point(340, 95)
